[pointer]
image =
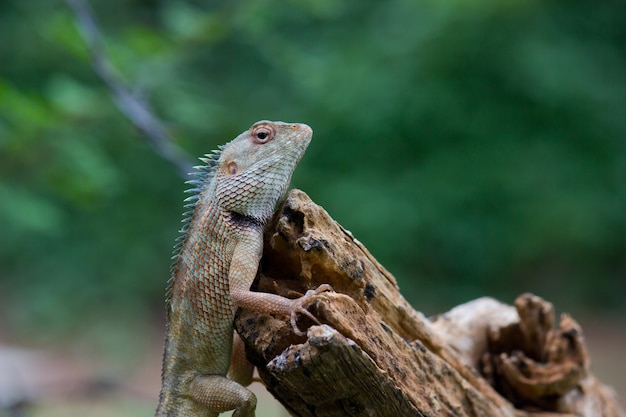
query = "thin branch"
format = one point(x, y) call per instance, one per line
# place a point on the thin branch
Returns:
point(133, 107)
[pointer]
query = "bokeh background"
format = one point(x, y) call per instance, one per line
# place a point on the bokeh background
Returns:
point(476, 147)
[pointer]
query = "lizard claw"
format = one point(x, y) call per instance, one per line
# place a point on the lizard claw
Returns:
point(299, 306)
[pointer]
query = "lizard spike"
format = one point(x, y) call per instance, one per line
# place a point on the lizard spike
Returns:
point(208, 159)
point(192, 190)
point(205, 169)
point(192, 198)
point(200, 175)
point(195, 182)
point(214, 155)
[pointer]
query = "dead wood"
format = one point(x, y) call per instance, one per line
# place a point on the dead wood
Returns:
point(376, 356)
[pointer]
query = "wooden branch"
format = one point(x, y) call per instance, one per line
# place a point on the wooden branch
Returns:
point(376, 356)
point(132, 105)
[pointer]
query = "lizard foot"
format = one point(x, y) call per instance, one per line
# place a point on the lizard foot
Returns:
point(299, 305)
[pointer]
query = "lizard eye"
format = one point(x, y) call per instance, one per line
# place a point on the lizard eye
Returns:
point(263, 134)
point(232, 168)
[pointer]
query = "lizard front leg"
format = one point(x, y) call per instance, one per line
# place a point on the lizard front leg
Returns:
point(243, 270)
point(275, 304)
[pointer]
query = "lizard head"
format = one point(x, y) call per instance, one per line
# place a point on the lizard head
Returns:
point(254, 169)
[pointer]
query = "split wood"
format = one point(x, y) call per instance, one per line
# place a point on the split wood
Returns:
point(374, 355)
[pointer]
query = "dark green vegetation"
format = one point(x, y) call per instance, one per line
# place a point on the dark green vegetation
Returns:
point(475, 147)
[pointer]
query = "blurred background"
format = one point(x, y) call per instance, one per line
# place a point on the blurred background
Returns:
point(475, 147)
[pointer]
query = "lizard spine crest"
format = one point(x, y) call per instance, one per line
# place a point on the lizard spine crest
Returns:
point(201, 178)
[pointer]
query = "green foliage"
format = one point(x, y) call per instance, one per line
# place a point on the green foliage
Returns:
point(477, 148)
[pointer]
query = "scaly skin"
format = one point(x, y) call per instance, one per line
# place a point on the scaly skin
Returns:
point(236, 194)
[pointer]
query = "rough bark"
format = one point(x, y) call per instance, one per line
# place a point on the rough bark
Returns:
point(374, 355)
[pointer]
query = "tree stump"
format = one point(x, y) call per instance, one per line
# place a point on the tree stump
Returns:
point(374, 355)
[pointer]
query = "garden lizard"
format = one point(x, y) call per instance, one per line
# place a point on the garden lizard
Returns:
point(216, 260)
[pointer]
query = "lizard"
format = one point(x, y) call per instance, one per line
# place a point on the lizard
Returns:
point(234, 195)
